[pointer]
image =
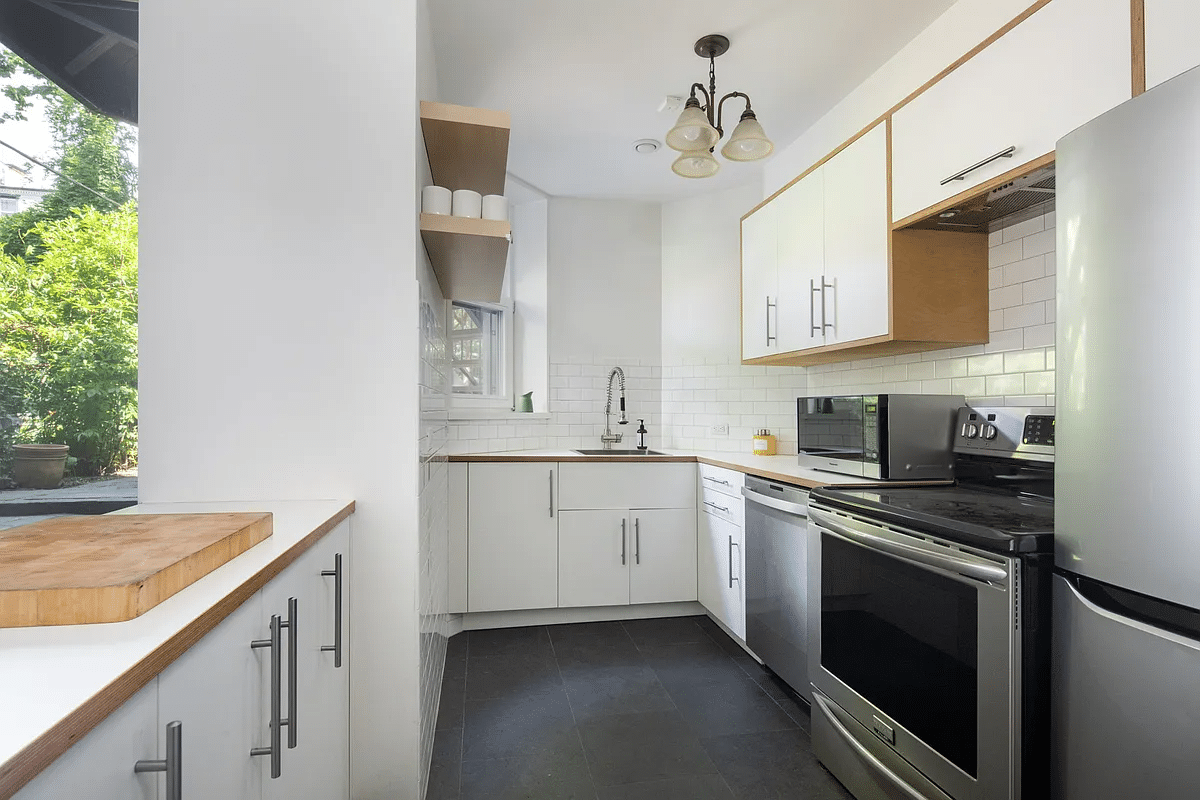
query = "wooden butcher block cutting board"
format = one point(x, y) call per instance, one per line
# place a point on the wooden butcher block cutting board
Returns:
point(112, 568)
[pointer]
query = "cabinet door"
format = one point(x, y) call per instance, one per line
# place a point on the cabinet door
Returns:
point(1170, 39)
point(715, 586)
point(215, 689)
point(760, 286)
point(100, 765)
point(594, 550)
point(589, 485)
point(856, 240)
point(512, 536)
point(318, 766)
point(663, 563)
point(799, 214)
point(1066, 64)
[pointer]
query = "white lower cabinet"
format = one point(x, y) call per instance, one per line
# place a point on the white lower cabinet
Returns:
point(214, 690)
point(100, 765)
point(720, 571)
point(618, 557)
point(220, 691)
point(512, 536)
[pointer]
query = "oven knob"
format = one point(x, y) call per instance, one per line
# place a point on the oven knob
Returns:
point(971, 431)
point(989, 431)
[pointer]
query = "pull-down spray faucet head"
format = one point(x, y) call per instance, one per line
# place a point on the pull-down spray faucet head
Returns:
point(620, 375)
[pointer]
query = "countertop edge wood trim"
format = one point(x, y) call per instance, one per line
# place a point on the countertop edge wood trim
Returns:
point(596, 459)
point(761, 472)
point(42, 751)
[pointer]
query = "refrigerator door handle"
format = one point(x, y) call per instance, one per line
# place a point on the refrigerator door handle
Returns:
point(1130, 622)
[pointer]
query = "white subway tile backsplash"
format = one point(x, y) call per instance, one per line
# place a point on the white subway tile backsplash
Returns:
point(1040, 382)
point(1006, 340)
point(1004, 297)
point(985, 365)
point(949, 368)
point(1024, 316)
point(1023, 229)
point(1026, 361)
point(1039, 243)
point(1005, 384)
point(969, 387)
point(1027, 269)
point(1007, 253)
point(1038, 290)
point(1039, 336)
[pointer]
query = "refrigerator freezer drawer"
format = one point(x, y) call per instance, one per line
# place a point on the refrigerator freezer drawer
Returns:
point(1126, 705)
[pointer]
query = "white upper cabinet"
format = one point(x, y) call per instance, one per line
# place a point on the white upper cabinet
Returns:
point(760, 286)
point(1171, 47)
point(855, 296)
point(512, 539)
point(1066, 64)
point(800, 247)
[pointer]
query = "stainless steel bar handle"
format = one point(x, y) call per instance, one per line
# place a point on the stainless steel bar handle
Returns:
point(812, 314)
point(552, 493)
point(824, 285)
point(775, 306)
point(958, 176)
point(276, 724)
point(172, 764)
point(716, 480)
point(717, 507)
point(731, 577)
point(730, 562)
point(637, 540)
point(336, 647)
point(622, 543)
point(798, 509)
point(866, 754)
point(293, 670)
point(960, 563)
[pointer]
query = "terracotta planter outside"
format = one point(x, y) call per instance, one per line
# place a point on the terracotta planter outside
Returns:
point(39, 466)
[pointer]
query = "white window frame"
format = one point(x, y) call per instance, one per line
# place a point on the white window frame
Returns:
point(503, 399)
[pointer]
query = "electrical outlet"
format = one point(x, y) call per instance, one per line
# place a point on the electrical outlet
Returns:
point(719, 430)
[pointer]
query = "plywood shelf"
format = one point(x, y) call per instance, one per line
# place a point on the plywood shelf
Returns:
point(468, 255)
point(467, 149)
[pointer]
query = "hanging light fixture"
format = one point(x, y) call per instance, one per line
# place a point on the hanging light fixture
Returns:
point(698, 129)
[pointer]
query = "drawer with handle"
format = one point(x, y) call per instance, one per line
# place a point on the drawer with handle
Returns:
point(719, 479)
point(731, 509)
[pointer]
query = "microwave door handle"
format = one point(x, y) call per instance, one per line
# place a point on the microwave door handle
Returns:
point(961, 563)
point(799, 509)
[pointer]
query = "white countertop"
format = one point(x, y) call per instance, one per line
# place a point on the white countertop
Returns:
point(48, 672)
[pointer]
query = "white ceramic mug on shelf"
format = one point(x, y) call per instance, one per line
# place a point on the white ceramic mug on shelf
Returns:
point(495, 206)
point(467, 203)
point(435, 200)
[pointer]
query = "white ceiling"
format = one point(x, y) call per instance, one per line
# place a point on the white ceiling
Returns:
point(584, 80)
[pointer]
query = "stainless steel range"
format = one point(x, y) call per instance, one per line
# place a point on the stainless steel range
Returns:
point(929, 636)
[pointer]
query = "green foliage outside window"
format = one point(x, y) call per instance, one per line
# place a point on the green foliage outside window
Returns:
point(68, 338)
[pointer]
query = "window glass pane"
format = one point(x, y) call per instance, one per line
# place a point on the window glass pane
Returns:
point(476, 350)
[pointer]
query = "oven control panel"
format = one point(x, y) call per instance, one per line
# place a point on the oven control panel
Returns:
point(1014, 432)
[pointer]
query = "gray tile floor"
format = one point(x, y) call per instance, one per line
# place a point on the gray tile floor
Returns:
point(661, 709)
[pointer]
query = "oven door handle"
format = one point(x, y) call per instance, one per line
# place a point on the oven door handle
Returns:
point(866, 754)
point(799, 509)
point(960, 563)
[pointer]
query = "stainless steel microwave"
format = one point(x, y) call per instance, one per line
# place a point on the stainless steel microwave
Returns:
point(885, 436)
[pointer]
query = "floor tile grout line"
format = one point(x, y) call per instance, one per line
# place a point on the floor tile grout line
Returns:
point(574, 721)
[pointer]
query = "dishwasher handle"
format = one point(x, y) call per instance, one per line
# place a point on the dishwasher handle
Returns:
point(799, 509)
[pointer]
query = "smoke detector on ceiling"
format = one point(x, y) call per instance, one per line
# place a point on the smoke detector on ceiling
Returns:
point(646, 146)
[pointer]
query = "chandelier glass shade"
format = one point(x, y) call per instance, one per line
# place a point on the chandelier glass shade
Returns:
point(698, 129)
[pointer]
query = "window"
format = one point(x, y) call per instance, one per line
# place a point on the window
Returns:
point(480, 352)
point(8, 205)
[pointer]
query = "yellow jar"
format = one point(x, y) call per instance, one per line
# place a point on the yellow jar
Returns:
point(764, 443)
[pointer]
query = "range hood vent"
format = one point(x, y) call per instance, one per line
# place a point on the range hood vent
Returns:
point(974, 215)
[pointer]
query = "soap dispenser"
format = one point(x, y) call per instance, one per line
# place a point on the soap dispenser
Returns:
point(641, 434)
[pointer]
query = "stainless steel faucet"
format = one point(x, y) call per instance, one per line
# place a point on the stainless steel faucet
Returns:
point(609, 437)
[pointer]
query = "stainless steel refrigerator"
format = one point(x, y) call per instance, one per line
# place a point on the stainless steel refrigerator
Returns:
point(1126, 702)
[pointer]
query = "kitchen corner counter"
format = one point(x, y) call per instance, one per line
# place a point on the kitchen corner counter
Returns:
point(778, 468)
point(59, 682)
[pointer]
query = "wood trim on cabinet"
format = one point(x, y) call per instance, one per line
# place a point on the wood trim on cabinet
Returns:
point(976, 191)
point(1137, 32)
point(890, 264)
point(941, 286)
point(1014, 22)
point(42, 751)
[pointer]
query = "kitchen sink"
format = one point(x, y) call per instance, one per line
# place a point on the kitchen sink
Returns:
point(616, 452)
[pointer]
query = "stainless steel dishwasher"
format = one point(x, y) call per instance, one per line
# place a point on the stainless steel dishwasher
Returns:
point(777, 578)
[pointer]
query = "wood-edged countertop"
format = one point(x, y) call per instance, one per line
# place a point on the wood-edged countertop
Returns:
point(59, 682)
point(776, 468)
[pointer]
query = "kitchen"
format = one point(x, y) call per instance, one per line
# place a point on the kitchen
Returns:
point(303, 327)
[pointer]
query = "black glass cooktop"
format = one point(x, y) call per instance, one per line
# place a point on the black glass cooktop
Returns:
point(992, 520)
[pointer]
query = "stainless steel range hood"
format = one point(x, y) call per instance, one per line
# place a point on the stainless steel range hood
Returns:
point(974, 215)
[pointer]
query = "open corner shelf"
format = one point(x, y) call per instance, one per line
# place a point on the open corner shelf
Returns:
point(467, 149)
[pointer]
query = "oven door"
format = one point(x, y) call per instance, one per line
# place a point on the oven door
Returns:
point(914, 659)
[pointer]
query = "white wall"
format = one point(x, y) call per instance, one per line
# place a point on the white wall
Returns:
point(279, 337)
point(529, 263)
point(951, 36)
